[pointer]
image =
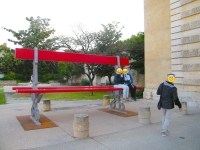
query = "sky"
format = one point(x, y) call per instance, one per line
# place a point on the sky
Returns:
point(65, 13)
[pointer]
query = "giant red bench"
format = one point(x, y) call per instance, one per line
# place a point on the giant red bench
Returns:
point(46, 55)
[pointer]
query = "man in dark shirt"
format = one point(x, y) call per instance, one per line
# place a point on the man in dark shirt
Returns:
point(169, 97)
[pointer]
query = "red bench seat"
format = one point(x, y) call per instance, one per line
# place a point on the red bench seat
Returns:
point(55, 89)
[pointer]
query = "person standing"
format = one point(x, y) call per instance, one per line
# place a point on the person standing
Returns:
point(129, 82)
point(119, 83)
point(169, 97)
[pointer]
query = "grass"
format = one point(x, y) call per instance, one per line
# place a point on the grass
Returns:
point(2, 97)
point(66, 96)
point(76, 95)
point(69, 96)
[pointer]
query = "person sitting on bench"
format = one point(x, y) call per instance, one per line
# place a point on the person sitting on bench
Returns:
point(119, 83)
point(129, 81)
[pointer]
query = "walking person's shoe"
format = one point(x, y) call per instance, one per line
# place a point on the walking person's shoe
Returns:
point(165, 133)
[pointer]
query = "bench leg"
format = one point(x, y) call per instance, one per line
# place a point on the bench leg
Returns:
point(117, 100)
point(35, 114)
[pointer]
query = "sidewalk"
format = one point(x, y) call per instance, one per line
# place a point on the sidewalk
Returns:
point(107, 131)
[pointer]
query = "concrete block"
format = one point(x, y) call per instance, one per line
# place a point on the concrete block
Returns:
point(8, 89)
point(81, 125)
point(106, 100)
point(46, 105)
point(144, 114)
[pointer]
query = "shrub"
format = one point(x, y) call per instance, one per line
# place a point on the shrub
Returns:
point(85, 82)
point(2, 96)
point(75, 84)
point(47, 77)
point(9, 76)
point(139, 94)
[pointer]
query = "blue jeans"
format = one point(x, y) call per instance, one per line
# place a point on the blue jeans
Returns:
point(167, 113)
point(125, 89)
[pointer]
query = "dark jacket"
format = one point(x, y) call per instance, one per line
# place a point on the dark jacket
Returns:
point(169, 95)
point(118, 79)
point(128, 81)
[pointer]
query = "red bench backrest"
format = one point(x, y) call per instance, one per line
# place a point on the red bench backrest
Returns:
point(46, 55)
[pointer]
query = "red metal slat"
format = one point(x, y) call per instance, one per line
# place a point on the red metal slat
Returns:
point(67, 90)
point(45, 55)
point(60, 87)
point(64, 87)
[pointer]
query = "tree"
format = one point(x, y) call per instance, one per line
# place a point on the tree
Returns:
point(108, 40)
point(82, 42)
point(108, 43)
point(135, 46)
point(8, 63)
point(75, 70)
point(105, 70)
point(37, 35)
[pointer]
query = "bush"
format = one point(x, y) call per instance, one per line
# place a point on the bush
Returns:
point(9, 76)
point(75, 84)
point(13, 76)
point(108, 83)
point(139, 94)
point(2, 96)
point(85, 82)
point(47, 77)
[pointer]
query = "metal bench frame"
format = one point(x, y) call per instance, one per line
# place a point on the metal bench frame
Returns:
point(37, 92)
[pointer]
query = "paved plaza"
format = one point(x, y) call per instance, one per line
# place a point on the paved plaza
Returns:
point(106, 131)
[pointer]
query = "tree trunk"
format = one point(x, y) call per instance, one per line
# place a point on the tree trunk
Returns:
point(109, 78)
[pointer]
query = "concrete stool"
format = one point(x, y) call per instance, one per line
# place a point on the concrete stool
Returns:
point(184, 108)
point(144, 114)
point(81, 125)
point(106, 100)
point(46, 105)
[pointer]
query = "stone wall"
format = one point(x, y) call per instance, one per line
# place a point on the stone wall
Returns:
point(185, 48)
point(8, 82)
point(157, 44)
point(180, 21)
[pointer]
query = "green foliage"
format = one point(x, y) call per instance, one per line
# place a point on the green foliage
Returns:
point(47, 77)
point(105, 70)
point(75, 84)
point(63, 73)
point(9, 76)
point(75, 69)
point(35, 36)
point(108, 43)
point(85, 82)
point(108, 39)
point(69, 96)
point(139, 94)
point(2, 96)
point(109, 83)
point(8, 63)
point(135, 46)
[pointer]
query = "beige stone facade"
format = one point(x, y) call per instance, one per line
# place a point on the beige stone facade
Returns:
point(172, 45)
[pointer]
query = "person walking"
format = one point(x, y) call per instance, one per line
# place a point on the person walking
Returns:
point(129, 82)
point(169, 97)
point(119, 83)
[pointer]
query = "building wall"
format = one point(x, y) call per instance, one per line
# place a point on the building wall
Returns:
point(181, 23)
point(185, 48)
point(157, 45)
